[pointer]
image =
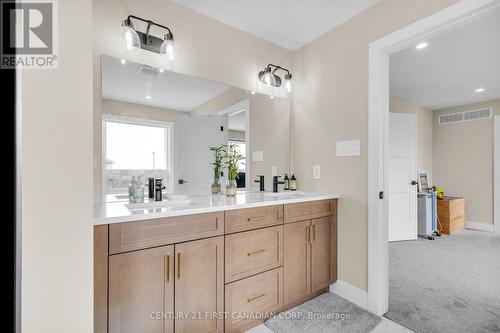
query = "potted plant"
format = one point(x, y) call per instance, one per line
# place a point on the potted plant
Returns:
point(233, 158)
point(217, 164)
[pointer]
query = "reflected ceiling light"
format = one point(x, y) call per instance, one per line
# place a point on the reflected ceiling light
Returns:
point(148, 97)
point(422, 45)
point(479, 90)
point(123, 61)
point(269, 78)
point(133, 38)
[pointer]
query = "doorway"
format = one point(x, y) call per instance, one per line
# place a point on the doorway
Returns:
point(378, 137)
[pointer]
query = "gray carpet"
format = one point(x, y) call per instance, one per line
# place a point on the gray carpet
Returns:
point(344, 317)
point(451, 284)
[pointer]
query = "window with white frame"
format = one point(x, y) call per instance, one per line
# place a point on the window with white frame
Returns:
point(134, 147)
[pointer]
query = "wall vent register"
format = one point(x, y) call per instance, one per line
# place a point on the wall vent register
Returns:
point(465, 116)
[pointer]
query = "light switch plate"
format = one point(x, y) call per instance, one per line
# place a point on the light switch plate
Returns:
point(349, 148)
point(258, 156)
point(316, 172)
point(274, 171)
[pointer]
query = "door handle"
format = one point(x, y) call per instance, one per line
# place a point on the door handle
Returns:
point(168, 267)
point(308, 231)
point(178, 265)
point(313, 231)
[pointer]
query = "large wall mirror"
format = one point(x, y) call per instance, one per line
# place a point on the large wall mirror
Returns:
point(162, 124)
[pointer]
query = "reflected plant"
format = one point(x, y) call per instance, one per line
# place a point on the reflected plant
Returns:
point(219, 153)
point(233, 159)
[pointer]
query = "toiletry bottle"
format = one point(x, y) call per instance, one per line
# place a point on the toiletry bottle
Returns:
point(139, 190)
point(293, 183)
point(286, 186)
point(151, 188)
point(131, 190)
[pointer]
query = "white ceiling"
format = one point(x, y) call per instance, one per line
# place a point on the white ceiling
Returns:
point(237, 122)
point(168, 90)
point(288, 23)
point(454, 64)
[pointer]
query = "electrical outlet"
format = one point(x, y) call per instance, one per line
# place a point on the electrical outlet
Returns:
point(274, 171)
point(316, 172)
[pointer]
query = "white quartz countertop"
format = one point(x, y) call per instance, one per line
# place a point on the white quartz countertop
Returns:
point(117, 211)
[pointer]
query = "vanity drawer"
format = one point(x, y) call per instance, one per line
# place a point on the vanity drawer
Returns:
point(129, 236)
point(253, 218)
point(309, 210)
point(253, 252)
point(262, 293)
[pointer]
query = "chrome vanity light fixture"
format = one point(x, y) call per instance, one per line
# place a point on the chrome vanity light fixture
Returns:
point(269, 78)
point(144, 40)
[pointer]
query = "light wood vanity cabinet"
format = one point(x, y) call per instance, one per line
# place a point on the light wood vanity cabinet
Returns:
point(310, 263)
point(140, 285)
point(245, 261)
point(144, 284)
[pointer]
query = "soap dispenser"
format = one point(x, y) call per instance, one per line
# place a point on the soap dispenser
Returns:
point(131, 190)
point(293, 183)
point(286, 180)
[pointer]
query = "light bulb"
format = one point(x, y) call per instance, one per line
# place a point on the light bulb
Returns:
point(288, 85)
point(167, 47)
point(130, 36)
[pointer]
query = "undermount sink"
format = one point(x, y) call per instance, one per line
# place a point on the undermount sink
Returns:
point(171, 201)
point(284, 194)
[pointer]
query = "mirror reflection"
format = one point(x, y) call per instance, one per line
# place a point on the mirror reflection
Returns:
point(169, 126)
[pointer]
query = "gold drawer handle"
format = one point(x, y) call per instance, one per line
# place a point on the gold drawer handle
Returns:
point(254, 219)
point(251, 299)
point(168, 267)
point(313, 229)
point(255, 252)
point(178, 265)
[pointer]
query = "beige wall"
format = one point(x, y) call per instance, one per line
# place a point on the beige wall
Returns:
point(236, 135)
point(330, 103)
point(424, 131)
point(463, 160)
point(138, 111)
point(205, 48)
point(57, 182)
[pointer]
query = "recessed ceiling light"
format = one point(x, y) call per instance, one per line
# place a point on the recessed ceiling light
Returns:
point(161, 70)
point(422, 45)
point(148, 97)
point(479, 90)
point(252, 92)
point(123, 61)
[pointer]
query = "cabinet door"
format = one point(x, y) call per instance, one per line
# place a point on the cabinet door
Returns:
point(320, 253)
point(297, 276)
point(141, 291)
point(199, 285)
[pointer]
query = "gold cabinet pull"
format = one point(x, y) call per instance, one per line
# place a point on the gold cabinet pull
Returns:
point(178, 265)
point(313, 228)
point(254, 219)
point(308, 231)
point(251, 299)
point(168, 267)
point(252, 253)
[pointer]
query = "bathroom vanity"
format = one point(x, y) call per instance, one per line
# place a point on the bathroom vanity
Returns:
point(217, 264)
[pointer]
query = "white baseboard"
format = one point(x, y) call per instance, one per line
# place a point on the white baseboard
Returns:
point(350, 293)
point(480, 226)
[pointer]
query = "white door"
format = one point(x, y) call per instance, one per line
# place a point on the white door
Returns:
point(194, 135)
point(402, 171)
point(496, 174)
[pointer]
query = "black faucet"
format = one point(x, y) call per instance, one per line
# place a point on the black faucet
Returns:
point(261, 182)
point(159, 189)
point(276, 182)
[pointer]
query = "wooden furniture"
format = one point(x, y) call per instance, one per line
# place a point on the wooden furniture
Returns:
point(451, 214)
point(310, 261)
point(244, 263)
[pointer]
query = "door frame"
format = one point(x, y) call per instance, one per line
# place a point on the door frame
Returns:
point(496, 173)
point(378, 123)
point(243, 106)
point(412, 118)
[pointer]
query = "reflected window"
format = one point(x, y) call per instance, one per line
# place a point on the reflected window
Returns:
point(134, 147)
